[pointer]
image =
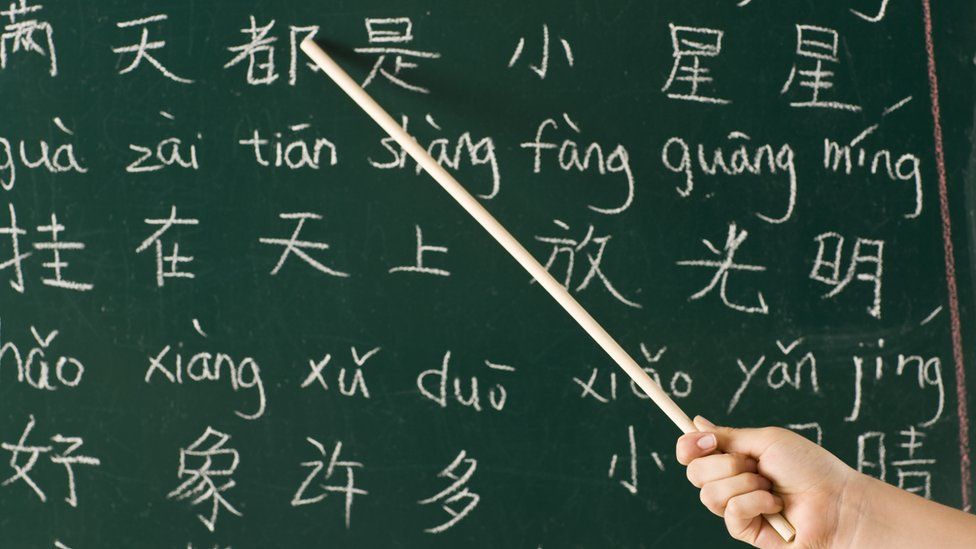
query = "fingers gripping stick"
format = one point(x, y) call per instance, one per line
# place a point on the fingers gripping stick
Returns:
point(512, 246)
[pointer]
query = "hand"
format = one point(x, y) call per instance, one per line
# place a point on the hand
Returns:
point(772, 470)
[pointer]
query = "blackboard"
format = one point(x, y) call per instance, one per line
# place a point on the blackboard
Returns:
point(157, 160)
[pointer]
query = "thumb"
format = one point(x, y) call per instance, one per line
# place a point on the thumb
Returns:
point(748, 442)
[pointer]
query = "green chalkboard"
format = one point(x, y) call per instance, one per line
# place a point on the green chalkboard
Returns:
point(233, 314)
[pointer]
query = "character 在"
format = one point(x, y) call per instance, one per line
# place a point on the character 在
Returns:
point(167, 266)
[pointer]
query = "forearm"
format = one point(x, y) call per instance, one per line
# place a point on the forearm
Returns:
point(893, 518)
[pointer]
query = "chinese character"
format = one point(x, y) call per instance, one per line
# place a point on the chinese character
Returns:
point(259, 52)
point(570, 248)
point(67, 458)
point(724, 267)
point(57, 264)
point(17, 258)
point(347, 487)
point(630, 484)
point(142, 49)
point(396, 30)
point(211, 463)
point(455, 492)
point(172, 261)
point(296, 246)
point(866, 252)
point(820, 45)
point(914, 473)
point(689, 45)
point(419, 266)
point(543, 67)
point(21, 34)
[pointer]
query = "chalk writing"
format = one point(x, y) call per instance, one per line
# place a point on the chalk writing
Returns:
point(64, 455)
point(914, 472)
point(867, 253)
point(852, 158)
point(347, 488)
point(811, 426)
point(630, 482)
point(418, 266)
point(497, 394)
point(295, 246)
point(818, 44)
point(542, 68)
point(689, 45)
point(568, 247)
point(928, 375)
point(679, 385)
point(168, 152)
point(294, 154)
point(569, 159)
point(52, 244)
point(724, 267)
point(259, 51)
point(63, 160)
point(357, 382)
point(19, 36)
point(243, 373)
point(207, 465)
point(465, 148)
point(34, 366)
point(763, 160)
point(15, 262)
point(393, 30)
point(143, 48)
point(57, 264)
point(167, 266)
point(457, 491)
point(783, 371)
point(878, 16)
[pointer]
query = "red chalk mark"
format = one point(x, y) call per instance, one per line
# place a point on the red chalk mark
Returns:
point(950, 264)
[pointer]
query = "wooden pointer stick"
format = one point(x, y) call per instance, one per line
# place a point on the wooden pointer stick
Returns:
point(512, 246)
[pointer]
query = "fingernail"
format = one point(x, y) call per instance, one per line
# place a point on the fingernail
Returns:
point(702, 422)
point(779, 501)
point(707, 442)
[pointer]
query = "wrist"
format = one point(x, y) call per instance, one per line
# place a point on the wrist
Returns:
point(856, 518)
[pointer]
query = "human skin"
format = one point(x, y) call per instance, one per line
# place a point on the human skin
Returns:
point(745, 473)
